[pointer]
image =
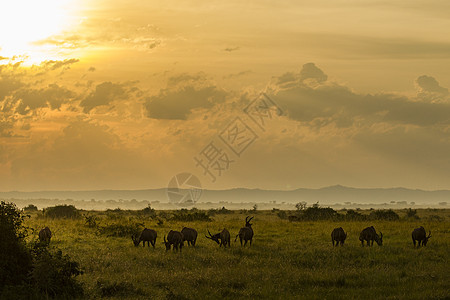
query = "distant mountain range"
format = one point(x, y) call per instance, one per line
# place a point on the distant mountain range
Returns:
point(326, 195)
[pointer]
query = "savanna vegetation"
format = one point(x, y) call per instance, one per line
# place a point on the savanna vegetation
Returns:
point(291, 257)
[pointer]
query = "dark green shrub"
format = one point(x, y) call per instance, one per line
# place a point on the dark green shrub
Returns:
point(148, 212)
point(30, 208)
point(187, 216)
point(412, 214)
point(316, 212)
point(61, 211)
point(388, 215)
point(282, 214)
point(15, 259)
point(90, 221)
point(353, 215)
point(32, 271)
point(219, 211)
point(53, 273)
point(121, 230)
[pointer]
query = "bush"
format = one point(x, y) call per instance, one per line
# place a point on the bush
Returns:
point(15, 259)
point(219, 211)
point(32, 271)
point(61, 211)
point(388, 215)
point(121, 230)
point(187, 216)
point(315, 212)
point(352, 215)
point(53, 273)
point(148, 212)
point(90, 221)
point(282, 214)
point(30, 208)
point(412, 214)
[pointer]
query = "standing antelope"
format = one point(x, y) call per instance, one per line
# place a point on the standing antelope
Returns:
point(246, 233)
point(223, 236)
point(45, 235)
point(338, 235)
point(420, 235)
point(369, 234)
point(174, 238)
point(147, 235)
point(189, 235)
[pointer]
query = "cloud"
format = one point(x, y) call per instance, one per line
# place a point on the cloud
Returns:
point(239, 74)
point(310, 71)
point(186, 78)
point(103, 94)
point(177, 104)
point(52, 96)
point(231, 49)
point(430, 90)
point(335, 103)
point(56, 64)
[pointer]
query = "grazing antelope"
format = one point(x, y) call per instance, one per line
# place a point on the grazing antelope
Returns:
point(174, 238)
point(189, 235)
point(45, 235)
point(369, 234)
point(147, 235)
point(245, 233)
point(420, 235)
point(338, 235)
point(221, 238)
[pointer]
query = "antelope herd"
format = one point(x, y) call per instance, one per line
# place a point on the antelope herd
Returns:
point(176, 239)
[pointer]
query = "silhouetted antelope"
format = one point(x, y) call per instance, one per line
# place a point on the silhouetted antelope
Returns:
point(174, 238)
point(221, 238)
point(369, 234)
point(420, 235)
point(189, 235)
point(45, 235)
point(246, 233)
point(147, 235)
point(338, 235)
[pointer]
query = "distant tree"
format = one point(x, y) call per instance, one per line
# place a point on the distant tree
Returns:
point(300, 205)
point(30, 207)
point(255, 207)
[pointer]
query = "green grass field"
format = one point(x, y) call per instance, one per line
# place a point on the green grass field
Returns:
point(286, 261)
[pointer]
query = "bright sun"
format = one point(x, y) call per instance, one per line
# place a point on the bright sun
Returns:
point(25, 22)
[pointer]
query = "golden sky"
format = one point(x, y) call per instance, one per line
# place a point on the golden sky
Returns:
point(126, 94)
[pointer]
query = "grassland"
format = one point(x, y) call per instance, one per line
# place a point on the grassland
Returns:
point(288, 260)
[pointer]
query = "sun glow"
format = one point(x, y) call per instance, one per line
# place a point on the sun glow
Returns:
point(25, 22)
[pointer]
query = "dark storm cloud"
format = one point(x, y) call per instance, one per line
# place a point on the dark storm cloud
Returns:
point(103, 94)
point(176, 104)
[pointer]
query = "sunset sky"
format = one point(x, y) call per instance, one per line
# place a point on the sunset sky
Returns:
point(117, 94)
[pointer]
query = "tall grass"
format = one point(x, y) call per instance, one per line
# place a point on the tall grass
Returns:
point(287, 260)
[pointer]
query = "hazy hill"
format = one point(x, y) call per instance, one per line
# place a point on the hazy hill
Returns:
point(326, 195)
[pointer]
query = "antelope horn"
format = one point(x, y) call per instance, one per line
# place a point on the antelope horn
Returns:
point(250, 219)
point(429, 234)
point(165, 239)
point(246, 218)
point(209, 233)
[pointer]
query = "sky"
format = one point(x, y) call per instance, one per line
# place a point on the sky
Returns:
point(258, 94)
